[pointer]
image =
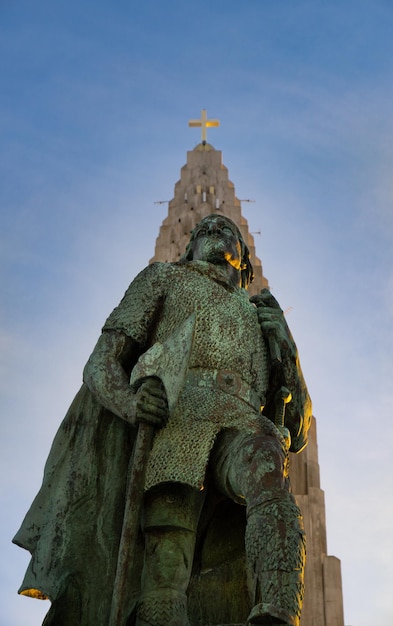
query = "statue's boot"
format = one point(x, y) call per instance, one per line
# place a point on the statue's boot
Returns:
point(275, 547)
point(164, 607)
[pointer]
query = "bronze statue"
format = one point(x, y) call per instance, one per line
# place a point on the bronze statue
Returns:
point(218, 537)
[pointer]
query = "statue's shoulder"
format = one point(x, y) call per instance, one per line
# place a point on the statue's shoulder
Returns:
point(153, 279)
point(137, 307)
point(165, 268)
point(157, 271)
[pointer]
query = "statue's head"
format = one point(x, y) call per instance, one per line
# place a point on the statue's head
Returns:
point(217, 239)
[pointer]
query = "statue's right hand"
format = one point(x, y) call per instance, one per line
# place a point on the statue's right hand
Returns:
point(151, 403)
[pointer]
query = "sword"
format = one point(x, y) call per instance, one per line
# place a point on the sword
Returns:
point(167, 361)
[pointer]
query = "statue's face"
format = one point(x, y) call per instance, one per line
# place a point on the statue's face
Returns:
point(216, 241)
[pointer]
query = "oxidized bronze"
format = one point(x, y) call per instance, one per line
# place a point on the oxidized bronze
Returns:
point(190, 521)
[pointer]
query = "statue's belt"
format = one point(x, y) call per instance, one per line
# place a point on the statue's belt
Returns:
point(227, 381)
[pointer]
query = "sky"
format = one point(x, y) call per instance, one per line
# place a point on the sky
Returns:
point(94, 106)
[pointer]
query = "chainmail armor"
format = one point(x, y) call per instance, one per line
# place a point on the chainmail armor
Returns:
point(227, 338)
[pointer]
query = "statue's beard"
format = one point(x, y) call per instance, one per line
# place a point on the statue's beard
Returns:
point(213, 250)
point(216, 250)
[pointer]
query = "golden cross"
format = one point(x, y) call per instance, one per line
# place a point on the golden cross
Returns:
point(203, 123)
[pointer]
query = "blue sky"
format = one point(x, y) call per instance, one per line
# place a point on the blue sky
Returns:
point(94, 103)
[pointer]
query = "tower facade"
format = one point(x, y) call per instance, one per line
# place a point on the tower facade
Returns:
point(204, 188)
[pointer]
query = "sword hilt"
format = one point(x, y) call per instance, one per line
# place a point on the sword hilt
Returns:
point(282, 397)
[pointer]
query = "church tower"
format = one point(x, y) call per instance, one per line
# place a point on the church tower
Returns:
point(204, 187)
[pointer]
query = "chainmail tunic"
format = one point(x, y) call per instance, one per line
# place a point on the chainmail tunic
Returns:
point(228, 371)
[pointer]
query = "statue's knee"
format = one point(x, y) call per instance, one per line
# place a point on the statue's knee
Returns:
point(172, 505)
point(261, 465)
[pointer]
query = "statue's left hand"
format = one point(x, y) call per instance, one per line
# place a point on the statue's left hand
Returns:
point(271, 318)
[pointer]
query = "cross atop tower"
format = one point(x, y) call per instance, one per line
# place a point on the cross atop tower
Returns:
point(203, 123)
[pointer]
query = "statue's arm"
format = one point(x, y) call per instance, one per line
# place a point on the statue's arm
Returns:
point(285, 369)
point(106, 376)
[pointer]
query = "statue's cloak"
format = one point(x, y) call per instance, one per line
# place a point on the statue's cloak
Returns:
point(74, 524)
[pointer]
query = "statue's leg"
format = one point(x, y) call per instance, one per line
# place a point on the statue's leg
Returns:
point(254, 468)
point(171, 514)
